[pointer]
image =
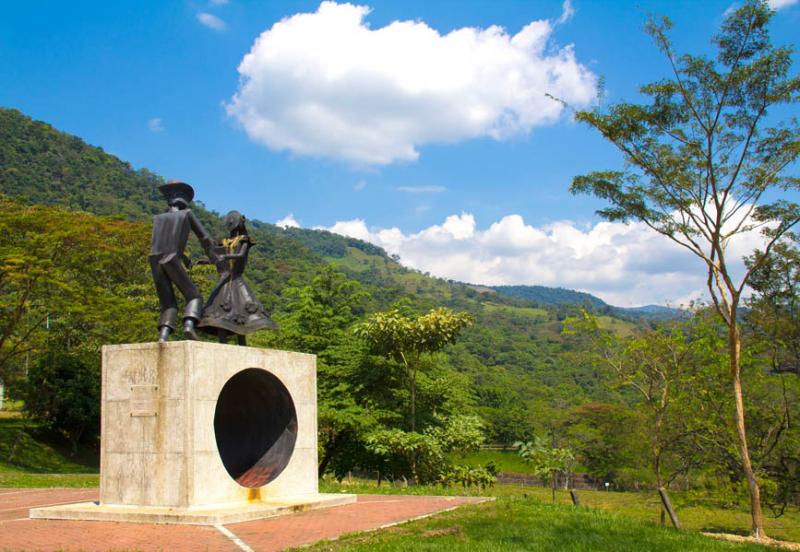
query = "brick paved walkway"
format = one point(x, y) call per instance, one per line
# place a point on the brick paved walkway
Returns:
point(369, 512)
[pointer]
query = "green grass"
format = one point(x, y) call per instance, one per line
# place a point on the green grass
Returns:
point(47, 480)
point(11, 409)
point(356, 260)
point(22, 454)
point(526, 312)
point(636, 507)
point(619, 327)
point(516, 523)
point(523, 518)
point(505, 461)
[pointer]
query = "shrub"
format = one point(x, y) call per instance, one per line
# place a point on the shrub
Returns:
point(62, 395)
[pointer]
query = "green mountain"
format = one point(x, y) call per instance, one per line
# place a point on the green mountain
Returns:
point(43, 165)
point(651, 312)
point(553, 296)
point(560, 297)
point(514, 356)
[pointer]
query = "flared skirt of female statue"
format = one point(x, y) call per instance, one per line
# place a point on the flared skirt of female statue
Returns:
point(233, 307)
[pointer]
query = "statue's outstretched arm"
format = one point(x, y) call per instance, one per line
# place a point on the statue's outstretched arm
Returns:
point(205, 238)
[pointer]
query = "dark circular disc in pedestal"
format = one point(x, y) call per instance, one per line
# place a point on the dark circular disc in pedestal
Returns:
point(255, 425)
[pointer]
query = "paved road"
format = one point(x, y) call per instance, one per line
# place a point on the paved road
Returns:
point(17, 532)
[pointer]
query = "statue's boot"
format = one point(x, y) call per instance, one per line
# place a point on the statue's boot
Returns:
point(163, 333)
point(191, 314)
point(188, 329)
point(166, 324)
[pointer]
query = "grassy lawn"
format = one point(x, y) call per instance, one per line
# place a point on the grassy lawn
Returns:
point(517, 523)
point(28, 462)
point(635, 507)
point(45, 480)
point(523, 518)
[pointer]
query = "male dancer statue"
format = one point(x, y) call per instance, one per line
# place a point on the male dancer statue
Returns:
point(167, 259)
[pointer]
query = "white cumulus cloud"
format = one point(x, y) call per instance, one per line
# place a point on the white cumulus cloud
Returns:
point(211, 21)
point(779, 4)
point(774, 4)
point(288, 222)
point(624, 264)
point(327, 84)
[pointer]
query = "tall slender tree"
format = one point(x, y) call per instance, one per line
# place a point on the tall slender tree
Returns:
point(702, 157)
point(406, 340)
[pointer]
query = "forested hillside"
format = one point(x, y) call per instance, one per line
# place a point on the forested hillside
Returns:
point(552, 296)
point(513, 354)
point(512, 373)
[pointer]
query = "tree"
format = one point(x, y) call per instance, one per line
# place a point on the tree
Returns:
point(62, 394)
point(774, 319)
point(606, 439)
point(69, 274)
point(775, 307)
point(772, 408)
point(319, 313)
point(427, 455)
point(701, 161)
point(406, 340)
point(547, 462)
point(318, 321)
point(658, 364)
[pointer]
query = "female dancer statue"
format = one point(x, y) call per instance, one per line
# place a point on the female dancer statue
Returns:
point(232, 308)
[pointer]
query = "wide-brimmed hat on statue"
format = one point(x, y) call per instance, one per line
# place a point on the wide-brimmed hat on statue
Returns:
point(175, 189)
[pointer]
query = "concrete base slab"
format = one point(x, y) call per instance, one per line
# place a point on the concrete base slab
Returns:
point(205, 515)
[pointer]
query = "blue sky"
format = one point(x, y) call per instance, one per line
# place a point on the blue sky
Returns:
point(155, 84)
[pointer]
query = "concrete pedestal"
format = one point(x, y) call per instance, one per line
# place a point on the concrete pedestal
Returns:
point(204, 433)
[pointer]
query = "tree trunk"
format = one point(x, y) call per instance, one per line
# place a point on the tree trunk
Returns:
point(665, 502)
point(735, 345)
point(411, 373)
point(75, 438)
point(328, 454)
point(659, 484)
point(414, 473)
point(414, 402)
point(326, 458)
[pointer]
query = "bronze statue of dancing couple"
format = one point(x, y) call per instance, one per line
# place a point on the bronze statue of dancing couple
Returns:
point(232, 308)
